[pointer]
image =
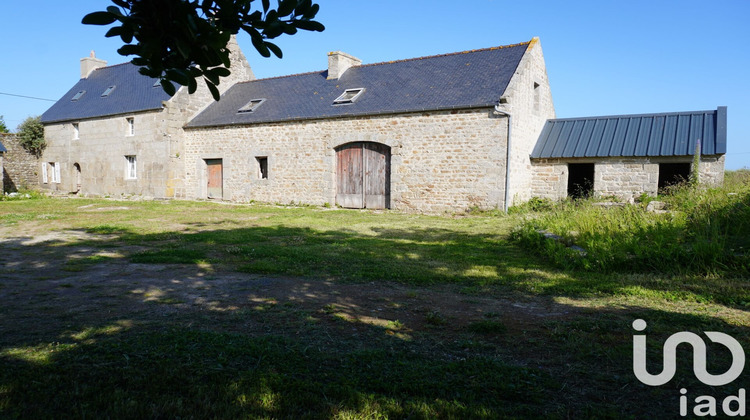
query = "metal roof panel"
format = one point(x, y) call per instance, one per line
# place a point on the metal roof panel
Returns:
point(662, 134)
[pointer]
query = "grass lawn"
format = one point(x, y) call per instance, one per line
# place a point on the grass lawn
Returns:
point(135, 309)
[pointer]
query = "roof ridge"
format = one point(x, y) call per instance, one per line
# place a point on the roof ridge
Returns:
point(396, 61)
point(650, 114)
point(447, 54)
point(114, 65)
point(281, 77)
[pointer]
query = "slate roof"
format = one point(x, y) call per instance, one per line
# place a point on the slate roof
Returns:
point(468, 79)
point(665, 134)
point(2, 148)
point(133, 92)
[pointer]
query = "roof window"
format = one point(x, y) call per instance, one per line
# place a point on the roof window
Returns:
point(108, 91)
point(78, 95)
point(349, 96)
point(251, 106)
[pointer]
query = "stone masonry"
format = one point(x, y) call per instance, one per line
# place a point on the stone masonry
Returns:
point(19, 166)
point(441, 161)
point(625, 178)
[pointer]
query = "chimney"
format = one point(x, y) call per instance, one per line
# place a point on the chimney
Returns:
point(339, 62)
point(89, 64)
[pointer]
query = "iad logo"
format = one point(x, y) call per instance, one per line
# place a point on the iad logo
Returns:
point(706, 404)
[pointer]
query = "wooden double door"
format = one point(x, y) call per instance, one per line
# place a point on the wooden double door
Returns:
point(363, 175)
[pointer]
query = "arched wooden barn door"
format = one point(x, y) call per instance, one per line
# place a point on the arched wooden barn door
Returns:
point(363, 174)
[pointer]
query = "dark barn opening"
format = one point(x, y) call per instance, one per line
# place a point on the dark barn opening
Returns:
point(580, 180)
point(672, 174)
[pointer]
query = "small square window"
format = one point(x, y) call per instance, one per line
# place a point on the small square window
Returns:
point(108, 91)
point(131, 167)
point(262, 166)
point(349, 96)
point(251, 106)
point(78, 95)
point(76, 132)
point(131, 126)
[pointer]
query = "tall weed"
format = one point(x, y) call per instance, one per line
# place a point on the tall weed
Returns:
point(705, 231)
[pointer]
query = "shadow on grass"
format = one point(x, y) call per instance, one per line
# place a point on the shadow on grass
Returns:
point(162, 340)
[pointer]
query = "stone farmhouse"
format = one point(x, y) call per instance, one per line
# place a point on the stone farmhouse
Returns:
point(432, 134)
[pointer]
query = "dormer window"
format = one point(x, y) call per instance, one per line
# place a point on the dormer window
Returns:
point(251, 106)
point(78, 95)
point(349, 96)
point(108, 91)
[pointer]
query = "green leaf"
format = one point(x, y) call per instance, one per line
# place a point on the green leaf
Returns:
point(266, 6)
point(168, 87)
point(221, 71)
point(98, 18)
point(114, 31)
point(260, 45)
point(286, 7)
point(192, 86)
point(309, 25)
point(274, 49)
point(129, 50)
point(214, 91)
point(114, 11)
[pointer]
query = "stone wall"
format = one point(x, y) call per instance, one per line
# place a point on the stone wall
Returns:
point(625, 178)
point(19, 166)
point(440, 161)
point(100, 152)
point(530, 102)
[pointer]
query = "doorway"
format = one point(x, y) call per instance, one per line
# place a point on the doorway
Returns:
point(77, 168)
point(215, 177)
point(671, 174)
point(580, 180)
point(363, 175)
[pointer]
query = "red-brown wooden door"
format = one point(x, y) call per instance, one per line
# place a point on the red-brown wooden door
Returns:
point(215, 178)
point(363, 175)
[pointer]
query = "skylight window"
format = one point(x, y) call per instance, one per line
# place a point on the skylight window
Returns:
point(349, 96)
point(157, 83)
point(108, 91)
point(251, 106)
point(78, 95)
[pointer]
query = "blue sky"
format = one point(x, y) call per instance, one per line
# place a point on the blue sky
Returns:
point(602, 57)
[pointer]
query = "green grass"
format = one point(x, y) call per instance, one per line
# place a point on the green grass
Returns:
point(705, 231)
point(555, 341)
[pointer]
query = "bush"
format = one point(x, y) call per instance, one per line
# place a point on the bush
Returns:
point(31, 135)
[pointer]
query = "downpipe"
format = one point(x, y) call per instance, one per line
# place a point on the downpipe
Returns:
point(507, 156)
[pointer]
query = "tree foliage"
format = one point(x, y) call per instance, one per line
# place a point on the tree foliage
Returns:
point(3, 127)
point(182, 41)
point(31, 135)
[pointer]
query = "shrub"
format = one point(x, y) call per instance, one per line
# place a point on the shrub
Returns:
point(31, 135)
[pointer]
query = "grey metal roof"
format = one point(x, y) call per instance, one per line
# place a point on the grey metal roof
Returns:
point(664, 134)
point(469, 79)
point(133, 92)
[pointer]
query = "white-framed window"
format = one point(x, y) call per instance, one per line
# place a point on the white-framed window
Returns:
point(251, 106)
point(349, 96)
point(51, 172)
point(130, 168)
point(76, 132)
point(131, 126)
point(55, 172)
